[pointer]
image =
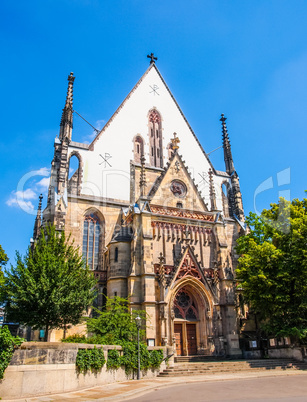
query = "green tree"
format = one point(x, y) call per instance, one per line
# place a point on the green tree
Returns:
point(3, 261)
point(273, 268)
point(51, 287)
point(116, 324)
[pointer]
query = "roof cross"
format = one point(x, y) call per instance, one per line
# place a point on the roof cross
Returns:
point(152, 58)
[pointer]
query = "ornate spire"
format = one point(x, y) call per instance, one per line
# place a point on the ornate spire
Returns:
point(175, 141)
point(143, 177)
point(67, 115)
point(227, 148)
point(212, 191)
point(38, 219)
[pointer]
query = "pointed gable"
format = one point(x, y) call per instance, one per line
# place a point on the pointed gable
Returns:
point(175, 186)
point(107, 159)
point(188, 267)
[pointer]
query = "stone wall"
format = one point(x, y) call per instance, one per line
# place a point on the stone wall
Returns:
point(294, 353)
point(44, 368)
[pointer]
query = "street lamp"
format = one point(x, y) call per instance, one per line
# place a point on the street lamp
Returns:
point(138, 325)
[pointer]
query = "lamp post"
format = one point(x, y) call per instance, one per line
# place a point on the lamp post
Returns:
point(138, 325)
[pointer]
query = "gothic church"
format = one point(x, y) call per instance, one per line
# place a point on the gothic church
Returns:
point(154, 219)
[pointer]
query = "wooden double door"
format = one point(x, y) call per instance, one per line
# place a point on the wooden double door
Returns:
point(185, 338)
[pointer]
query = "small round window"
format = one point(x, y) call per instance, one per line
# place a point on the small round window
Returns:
point(178, 188)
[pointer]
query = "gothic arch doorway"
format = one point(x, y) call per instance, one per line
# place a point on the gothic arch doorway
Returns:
point(186, 322)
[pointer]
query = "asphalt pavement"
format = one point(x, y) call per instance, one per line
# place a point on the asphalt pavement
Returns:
point(245, 386)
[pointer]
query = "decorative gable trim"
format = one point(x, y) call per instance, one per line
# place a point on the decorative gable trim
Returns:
point(188, 267)
point(181, 213)
point(159, 179)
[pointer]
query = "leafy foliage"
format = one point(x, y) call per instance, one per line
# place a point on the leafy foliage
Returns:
point(116, 324)
point(76, 338)
point(273, 268)
point(51, 287)
point(7, 345)
point(114, 360)
point(3, 261)
point(148, 359)
point(156, 357)
point(90, 359)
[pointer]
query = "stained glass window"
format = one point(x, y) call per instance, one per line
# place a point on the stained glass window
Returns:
point(91, 240)
point(184, 306)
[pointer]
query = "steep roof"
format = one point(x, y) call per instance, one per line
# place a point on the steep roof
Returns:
point(152, 66)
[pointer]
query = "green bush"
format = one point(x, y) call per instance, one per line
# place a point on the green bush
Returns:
point(114, 360)
point(156, 357)
point(148, 359)
point(93, 359)
point(76, 338)
point(8, 343)
point(116, 323)
point(90, 359)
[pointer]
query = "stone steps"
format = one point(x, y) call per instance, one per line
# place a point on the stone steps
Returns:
point(214, 367)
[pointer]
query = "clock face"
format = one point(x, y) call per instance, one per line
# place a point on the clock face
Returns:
point(178, 188)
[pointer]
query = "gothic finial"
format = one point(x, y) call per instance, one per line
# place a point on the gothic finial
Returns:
point(67, 115)
point(143, 176)
point(40, 198)
point(212, 191)
point(227, 148)
point(162, 271)
point(152, 58)
point(69, 96)
point(175, 141)
point(38, 219)
point(161, 259)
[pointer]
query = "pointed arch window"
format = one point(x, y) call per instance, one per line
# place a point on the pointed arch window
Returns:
point(185, 306)
point(138, 148)
point(155, 139)
point(91, 240)
point(74, 174)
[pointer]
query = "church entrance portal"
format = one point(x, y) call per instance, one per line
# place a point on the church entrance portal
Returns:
point(191, 339)
point(185, 338)
point(178, 339)
point(185, 329)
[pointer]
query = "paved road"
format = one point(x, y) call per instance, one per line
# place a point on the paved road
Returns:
point(273, 389)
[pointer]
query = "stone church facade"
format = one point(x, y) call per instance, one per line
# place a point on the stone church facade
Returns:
point(154, 219)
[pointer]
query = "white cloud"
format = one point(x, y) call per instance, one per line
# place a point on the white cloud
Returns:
point(99, 125)
point(21, 199)
point(44, 183)
point(28, 194)
point(44, 171)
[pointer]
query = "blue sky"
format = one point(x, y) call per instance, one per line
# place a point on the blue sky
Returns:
point(246, 59)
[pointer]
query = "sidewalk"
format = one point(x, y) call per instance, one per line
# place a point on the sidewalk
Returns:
point(132, 389)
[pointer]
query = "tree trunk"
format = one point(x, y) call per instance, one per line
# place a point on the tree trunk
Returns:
point(46, 333)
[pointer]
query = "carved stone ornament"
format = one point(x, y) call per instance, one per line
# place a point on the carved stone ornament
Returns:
point(178, 188)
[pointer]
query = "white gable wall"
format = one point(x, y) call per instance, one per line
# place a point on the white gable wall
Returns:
point(116, 139)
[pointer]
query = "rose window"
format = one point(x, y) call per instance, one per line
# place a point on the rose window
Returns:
point(184, 306)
